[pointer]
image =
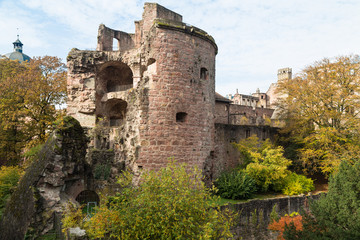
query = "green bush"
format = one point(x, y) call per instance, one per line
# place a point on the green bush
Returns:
point(335, 215)
point(269, 168)
point(297, 184)
point(9, 178)
point(172, 203)
point(235, 185)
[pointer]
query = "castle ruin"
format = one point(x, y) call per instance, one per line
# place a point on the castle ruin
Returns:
point(156, 92)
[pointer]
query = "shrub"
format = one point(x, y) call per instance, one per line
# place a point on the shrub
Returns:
point(172, 203)
point(297, 184)
point(293, 219)
point(335, 215)
point(235, 185)
point(9, 178)
point(269, 168)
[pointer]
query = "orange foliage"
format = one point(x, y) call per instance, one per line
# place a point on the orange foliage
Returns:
point(280, 225)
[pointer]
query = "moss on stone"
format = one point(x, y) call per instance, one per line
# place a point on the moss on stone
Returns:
point(26, 201)
point(179, 26)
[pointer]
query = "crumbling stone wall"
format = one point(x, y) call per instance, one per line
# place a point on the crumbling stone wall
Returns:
point(156, 92)
point(254, 215)
point(44, 190)
point(246, 115)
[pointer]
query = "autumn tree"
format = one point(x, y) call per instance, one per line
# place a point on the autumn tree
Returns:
point(29, 92)
point(321, 109)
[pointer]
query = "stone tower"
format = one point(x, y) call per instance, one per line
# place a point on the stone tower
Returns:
point(156, 91)
point(284, 73)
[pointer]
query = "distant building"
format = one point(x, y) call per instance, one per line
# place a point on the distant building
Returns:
point(254, 108)
point(17, 54)
point(258, 99)
point(255, 100)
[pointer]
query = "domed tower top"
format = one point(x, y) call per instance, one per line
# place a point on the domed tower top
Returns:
point(18, 54)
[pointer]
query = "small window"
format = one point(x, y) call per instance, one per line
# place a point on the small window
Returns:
point(181, 117)
point(203, 73)
point(115, 46)
point(262, 96)
point(247, 133)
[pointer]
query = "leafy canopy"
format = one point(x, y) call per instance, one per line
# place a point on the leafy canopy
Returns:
point(336, 215)
point(320, 107)
point(266, 164)
point(29, 92)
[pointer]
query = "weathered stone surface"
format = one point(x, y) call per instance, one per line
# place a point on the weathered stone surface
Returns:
point(41, 192)
point(156, 91)
point(254, 215)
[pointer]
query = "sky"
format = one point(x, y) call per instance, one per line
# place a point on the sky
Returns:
point(255, 37)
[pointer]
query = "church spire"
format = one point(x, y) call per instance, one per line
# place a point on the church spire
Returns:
point(18, 45)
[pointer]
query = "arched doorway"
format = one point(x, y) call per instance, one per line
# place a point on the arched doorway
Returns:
point(116, 112)
point(115, 76)
point(89, 200)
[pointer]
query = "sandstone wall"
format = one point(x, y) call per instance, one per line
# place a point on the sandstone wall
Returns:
point(246, 115)
point(254, 215)
point(222, 114)
point(179, 121)
point(226, 156)
point(156, 94)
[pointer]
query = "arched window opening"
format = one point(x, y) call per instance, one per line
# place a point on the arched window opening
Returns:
point(115, 45)
point(116, 110)
point(89, 199)
point(204, 74)
point(181, 117)
point(115, 76)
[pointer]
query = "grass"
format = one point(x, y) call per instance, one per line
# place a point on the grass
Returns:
point(224, 201)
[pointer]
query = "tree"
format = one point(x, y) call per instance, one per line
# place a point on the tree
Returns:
point(266, 164)
point(172, 203)
point(336, 215)
point(29, 92)
point(321, 109)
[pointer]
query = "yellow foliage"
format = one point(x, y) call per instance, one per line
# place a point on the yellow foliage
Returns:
point(320, 108)
point(172, 203)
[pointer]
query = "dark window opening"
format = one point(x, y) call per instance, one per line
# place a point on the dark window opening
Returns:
point(116, 76)
point(181, 117)
point(116, 110)
point(87, 196)
point(247, 133)
point(262, 97)
point(151, 61)
point(89, 200)
point(203, 73)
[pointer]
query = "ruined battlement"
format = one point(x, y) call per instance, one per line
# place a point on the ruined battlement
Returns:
point(154, 15)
